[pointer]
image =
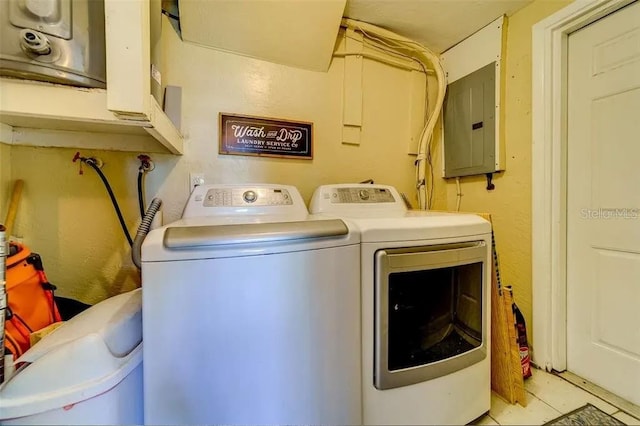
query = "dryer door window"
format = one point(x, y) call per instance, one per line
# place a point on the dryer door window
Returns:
point(429, 312)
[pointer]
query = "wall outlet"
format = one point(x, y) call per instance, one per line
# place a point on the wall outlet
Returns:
point(195, 179)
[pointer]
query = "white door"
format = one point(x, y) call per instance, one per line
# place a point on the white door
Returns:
point(603, 203)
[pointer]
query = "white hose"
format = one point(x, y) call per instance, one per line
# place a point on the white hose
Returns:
point(425, 56)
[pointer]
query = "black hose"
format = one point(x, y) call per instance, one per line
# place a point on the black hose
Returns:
point(141, 174)
point(93, 165)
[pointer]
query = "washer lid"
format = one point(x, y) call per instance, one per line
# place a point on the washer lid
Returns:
point(186, 237)
point(212, 238)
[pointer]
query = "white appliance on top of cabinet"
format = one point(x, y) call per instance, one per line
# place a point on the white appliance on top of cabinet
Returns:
point(251, 312)
point(425, 306)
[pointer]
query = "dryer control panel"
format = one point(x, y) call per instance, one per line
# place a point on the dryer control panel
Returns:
point(353, 197)
point(361, 195)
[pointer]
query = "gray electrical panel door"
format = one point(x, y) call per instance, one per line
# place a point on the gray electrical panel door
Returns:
point(469, 124)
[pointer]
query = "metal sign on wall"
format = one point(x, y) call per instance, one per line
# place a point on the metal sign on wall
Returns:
point(247, 135)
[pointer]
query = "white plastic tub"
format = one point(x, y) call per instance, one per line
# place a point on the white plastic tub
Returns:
point(88, 371)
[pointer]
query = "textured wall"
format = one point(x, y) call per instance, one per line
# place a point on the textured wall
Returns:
point(68, 218)
point(510, 202)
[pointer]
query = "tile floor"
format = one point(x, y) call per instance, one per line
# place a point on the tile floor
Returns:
point(548, 396)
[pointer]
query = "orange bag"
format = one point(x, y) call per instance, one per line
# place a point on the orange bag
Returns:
point(31, 306)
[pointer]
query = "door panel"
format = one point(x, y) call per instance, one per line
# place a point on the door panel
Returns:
point(603, 203)
point(616, 297)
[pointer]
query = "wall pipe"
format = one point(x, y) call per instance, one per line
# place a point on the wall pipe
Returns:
point(425, 56)
point(382, 59)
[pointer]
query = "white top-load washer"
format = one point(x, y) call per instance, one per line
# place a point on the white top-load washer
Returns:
point(425, 306)
point(251, 312)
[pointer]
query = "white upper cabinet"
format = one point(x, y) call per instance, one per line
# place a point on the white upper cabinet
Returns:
point(125, 116)
point(296, 33)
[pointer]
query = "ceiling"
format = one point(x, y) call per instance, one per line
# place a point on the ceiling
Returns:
point(437, 24)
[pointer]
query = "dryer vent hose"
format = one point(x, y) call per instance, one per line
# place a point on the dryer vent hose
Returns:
point(143, 230)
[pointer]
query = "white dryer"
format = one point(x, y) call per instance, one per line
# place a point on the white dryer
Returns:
point(425, 306)
point(251, 313)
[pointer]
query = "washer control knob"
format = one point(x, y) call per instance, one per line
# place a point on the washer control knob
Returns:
point(364, 194)
point(249, 196)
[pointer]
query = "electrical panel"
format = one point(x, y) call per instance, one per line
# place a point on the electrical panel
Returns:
point(470, 124)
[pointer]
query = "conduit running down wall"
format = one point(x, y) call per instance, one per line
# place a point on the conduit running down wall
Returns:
point(398, 45)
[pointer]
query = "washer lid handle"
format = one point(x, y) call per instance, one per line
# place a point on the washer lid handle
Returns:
point(190, 237)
